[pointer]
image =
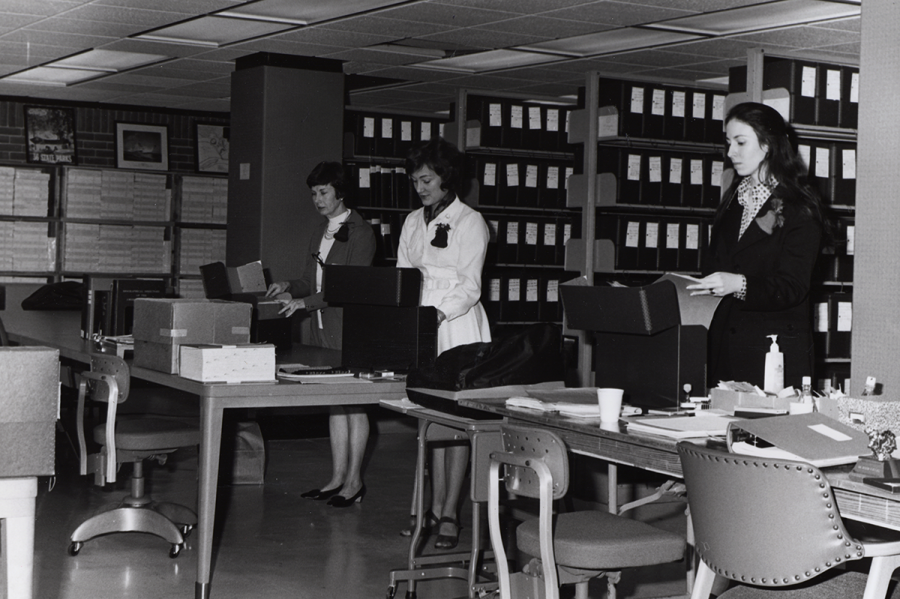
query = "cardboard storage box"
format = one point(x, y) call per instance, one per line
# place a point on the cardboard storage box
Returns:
point(244, 363)
point(29, 408)
point(372, 285)
point(389, 337)
point(161, 325)
point(650, 341)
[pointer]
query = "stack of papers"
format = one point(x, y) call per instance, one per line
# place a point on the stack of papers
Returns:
point(682, 427)
point(565, 408)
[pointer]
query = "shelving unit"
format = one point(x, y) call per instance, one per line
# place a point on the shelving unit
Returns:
point(63, 222)
point(656, 169)
point(821, 101)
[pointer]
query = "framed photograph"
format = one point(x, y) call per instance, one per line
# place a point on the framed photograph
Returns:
point(50, 135)
point(212, 148)
point(144, 147)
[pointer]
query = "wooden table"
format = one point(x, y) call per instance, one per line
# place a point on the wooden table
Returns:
point(856, 500)
point(60, 330)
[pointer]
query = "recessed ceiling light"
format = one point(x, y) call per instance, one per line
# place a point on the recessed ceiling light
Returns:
point(303, 12)
point(492, 60)
point(213, 31)
point(52, 76)
point(112, 61)
point(785, 13)
point(610, 41)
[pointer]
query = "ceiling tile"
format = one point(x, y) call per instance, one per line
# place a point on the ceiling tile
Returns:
point(60, 40)
point(400, 29)
point(63, 24)
point(800, 37)
point(522, 7)
point(186, 7)
point(483, 39)
point(277, 46)
point(617, 14)
point(43, 8)
point(139, 18)
point(547, 27)
point(443, 14)
point(373, 57)
point(335, 37)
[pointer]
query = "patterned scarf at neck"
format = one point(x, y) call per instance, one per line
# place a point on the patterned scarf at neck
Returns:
point(432, 212)
point(752, 198)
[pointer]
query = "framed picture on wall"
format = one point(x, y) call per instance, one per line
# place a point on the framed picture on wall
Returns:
point(50, 135)
point(212, 148)
point(144, 147)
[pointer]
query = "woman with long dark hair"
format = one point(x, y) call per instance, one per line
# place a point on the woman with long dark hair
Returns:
point(765, 239)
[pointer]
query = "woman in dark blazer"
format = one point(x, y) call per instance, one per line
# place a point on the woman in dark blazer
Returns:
point(765, 239)
point(343, 237)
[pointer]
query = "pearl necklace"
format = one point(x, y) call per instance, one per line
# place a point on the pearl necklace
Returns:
point(329, 232)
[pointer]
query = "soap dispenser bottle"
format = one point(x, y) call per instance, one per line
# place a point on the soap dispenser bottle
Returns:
point(774, 373)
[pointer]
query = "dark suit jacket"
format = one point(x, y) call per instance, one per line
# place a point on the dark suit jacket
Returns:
point(359, 249)
point(778, 268)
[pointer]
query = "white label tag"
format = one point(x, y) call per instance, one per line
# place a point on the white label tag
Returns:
point(848, 163)
point(823, 162)
point(534, 118)
point(808, 82)
point(549, 234)
point(512, 175)
point(387, 128)
point(425, 131)
point(632, 235)
point(495, 115)
point(655, 169)
point(699, 110)
point(531, 233)
point(854, 88)
point(552, 177)
point(658, 102)
point(824, 429)
point(696, 172)
point(368, 126)
point(512, 233)
point(531, 175)
point(634, 167)
point(651, 235)
point(678, 102)
point(692, 237)
point(833, 85)
point(675, 171)
point(531, 290)
point(516, 115)
point(490, 174)
point(513, 290)
point(553, 291)
point(637, 100)
point(405, 130)
point(820, 317)
point(552, 119)
point(672, 230)
point(844, 316)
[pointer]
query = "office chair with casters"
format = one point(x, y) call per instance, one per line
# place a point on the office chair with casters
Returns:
point(773, 526)
point(129, 439)
point(571, 547)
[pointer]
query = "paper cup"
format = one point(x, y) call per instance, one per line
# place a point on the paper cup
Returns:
point(610, 401)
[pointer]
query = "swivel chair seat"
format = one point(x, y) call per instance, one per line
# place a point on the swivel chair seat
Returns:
point(571, 548)
point(129, 439)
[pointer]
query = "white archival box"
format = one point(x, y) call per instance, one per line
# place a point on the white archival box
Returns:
point(239, 363)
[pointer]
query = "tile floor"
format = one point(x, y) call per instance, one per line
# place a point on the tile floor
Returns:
point(269, 542)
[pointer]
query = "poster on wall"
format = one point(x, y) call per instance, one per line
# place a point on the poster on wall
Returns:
point(212, 148)
point(144, 147)
point(50, 135)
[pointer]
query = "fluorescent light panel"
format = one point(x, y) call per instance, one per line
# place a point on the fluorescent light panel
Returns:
point(83, 67)
point(111, 61)
point(488, 61)
point(52, 76)
point(303, 12)
point(761, 16)
point(213, 31)
point(613, 40)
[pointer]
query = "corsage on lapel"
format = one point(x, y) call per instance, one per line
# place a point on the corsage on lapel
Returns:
point(343, 234)
point(440, 236)
point(772, 219)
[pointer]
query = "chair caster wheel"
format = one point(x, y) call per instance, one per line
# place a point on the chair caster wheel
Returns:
point(75, 547)
point(175, 551)
point(391, 592)
point(186, 530)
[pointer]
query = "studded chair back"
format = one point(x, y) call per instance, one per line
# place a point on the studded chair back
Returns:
point(762, 521)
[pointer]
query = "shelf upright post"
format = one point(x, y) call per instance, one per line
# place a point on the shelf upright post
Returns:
point(755, 62)
point(588, 216)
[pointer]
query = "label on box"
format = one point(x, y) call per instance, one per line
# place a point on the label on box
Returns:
point(678, 103)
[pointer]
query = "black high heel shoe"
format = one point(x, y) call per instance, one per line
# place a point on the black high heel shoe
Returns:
point(319, 495)
point(448, 541)
point(341, 501)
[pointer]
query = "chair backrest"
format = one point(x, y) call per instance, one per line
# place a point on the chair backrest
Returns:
point(115, 367)
point(536, 444)
point(767, 522)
